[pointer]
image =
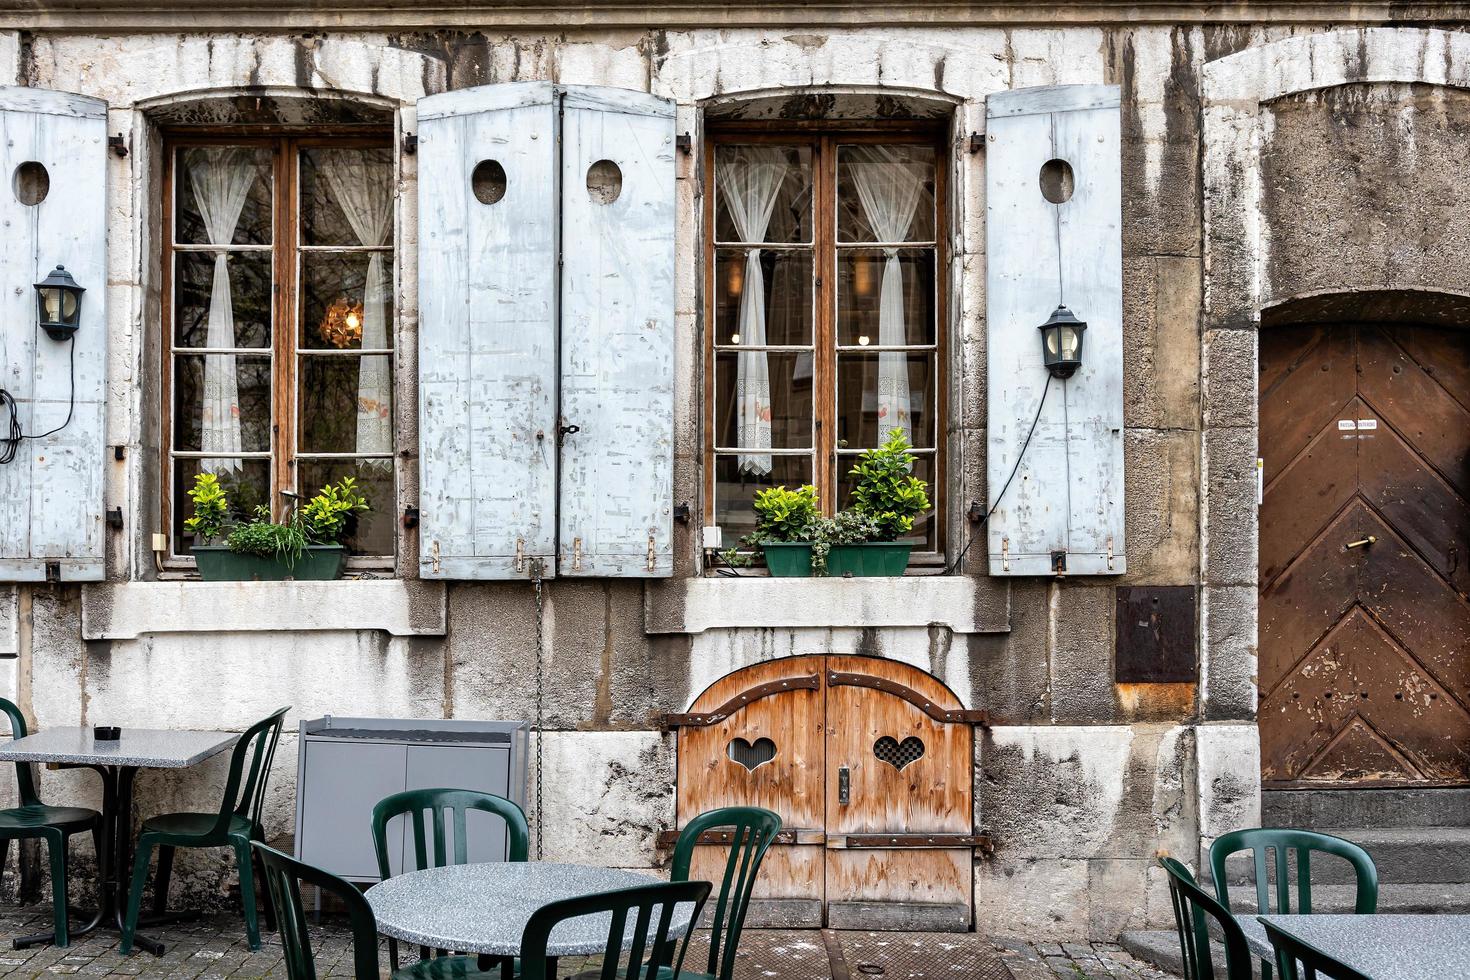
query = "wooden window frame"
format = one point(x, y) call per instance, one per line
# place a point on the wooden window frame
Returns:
point(823, 138)
point(285, 144)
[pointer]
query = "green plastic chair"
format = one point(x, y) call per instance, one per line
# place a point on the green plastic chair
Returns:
point(283, 875)
point(652, 909)
point(752, 831)
point(53, 824)
point(1282, 841)
point(414, 803)
point(1290, 951)
point(235, 825)
point(1191, 905)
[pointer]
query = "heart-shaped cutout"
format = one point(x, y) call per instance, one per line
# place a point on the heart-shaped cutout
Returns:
point(899, 754)
point(751, 755)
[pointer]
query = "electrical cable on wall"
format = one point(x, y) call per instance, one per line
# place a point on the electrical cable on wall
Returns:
point(10, 442)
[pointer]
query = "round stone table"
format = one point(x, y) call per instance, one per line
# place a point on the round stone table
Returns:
point(484, 908)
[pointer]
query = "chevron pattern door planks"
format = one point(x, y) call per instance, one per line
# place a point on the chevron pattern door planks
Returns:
point(1365, 555)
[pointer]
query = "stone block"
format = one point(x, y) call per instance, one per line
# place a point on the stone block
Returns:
point(58, 662)
point(1228, 665)
point(1161, 348)
point(1229, 763)
point(607, 796)
point(1010, 672)
point(1039, 898)
point(1081, 639)
point(1161, 509)
point(1229, 378)
point(1228, 511)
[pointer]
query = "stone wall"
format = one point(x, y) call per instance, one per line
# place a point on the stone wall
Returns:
point(1086, 780)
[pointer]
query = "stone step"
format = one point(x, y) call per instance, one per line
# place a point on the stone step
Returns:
point(1366, 808)
point(1403, 856)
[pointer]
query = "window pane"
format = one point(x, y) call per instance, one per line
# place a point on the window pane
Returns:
point(872, 391)
point(864, 278)
point(738, 479)
point(924, 537)
point(222, 196)
point(346, 404)
point(243, 298)
point(783, 308)
point(347, 196)
point(779, 417)
point(246, 483)
point(373, 531)
point(346, 300)
point(763, 193)
point(885, 193)
point(222, 403)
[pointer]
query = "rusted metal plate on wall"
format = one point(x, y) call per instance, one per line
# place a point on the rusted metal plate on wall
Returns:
point(1156, 631)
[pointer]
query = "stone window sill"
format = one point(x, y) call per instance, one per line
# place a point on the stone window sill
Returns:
point(126, 610)
point(961, 603)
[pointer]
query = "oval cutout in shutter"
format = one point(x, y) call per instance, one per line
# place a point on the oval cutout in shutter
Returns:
point(31, 183)
point(488, 181)
point(604, 182)
point(1057, 181)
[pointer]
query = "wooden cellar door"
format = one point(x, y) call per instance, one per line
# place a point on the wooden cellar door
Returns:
point(1365, 556)
point(868, 761)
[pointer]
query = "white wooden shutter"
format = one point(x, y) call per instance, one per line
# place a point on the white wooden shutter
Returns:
point(1068, 493)
point(617, 339)
point(51, 503)
point(487, 333)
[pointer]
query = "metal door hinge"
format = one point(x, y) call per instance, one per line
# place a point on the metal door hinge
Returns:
point(1005, 554)
point(576, 554)
point(434, 556)
point(520, 554)
point(685, 143)
point(1110, 551)
point(652, 555)
point(118, 145)
point(115, 518)
point(410, 143)
point(1059, 562)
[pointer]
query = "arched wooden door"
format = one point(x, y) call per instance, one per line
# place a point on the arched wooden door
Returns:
point(869, 763)
point(1365, 555)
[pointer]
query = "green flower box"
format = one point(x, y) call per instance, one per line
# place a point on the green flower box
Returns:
point(873, 559)
point(789, 559)
point(319, 562)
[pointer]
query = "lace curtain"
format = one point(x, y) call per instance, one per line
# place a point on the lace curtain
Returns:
point(220, 178)
point(749, 182)
point(363, 188)
point(889, 190)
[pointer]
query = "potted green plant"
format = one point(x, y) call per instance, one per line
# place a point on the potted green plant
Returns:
point(889, 496)
point(305, 545)
point(784, 520)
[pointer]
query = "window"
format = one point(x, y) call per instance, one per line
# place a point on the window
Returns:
point(825, 298)
point(278, 313)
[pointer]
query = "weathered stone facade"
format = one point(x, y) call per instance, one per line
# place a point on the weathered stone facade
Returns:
point(1265, 161)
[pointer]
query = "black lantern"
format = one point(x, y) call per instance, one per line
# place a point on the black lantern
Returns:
point(59, 304)
point(1061, 343)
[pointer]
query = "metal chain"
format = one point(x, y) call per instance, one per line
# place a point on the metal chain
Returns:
point(540, 691)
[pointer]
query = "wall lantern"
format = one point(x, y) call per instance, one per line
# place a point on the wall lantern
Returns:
point(1061, 343)
point(59, 304)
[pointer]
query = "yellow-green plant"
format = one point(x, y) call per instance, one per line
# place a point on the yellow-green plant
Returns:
point(211, 509)
point(325, 516)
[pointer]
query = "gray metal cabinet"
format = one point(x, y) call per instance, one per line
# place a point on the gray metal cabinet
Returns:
point(346, 765)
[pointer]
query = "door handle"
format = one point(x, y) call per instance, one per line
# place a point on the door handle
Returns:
point(844, 785)
point(1370, 539)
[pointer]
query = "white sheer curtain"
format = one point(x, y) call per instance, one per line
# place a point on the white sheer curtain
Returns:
point(749, 181)
point(889, 189)
point(220, 178)
point(363, 188)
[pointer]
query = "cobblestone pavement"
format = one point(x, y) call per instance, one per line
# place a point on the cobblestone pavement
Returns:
point(213, 948)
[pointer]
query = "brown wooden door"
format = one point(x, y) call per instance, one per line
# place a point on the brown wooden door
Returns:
point(851, 751)
point(1365, 555)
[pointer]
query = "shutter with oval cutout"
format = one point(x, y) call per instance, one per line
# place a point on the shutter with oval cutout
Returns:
point(53, 211)
point(1064, 509)
point(488, 331)
point(617, 336)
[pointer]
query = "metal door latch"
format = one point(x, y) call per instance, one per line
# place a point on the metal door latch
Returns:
point(1370, 539)
point(844, 785)
point(566, 430)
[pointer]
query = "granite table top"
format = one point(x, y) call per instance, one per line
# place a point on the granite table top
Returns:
point(484, 908)
point(143, 748)
point(1387, 947)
